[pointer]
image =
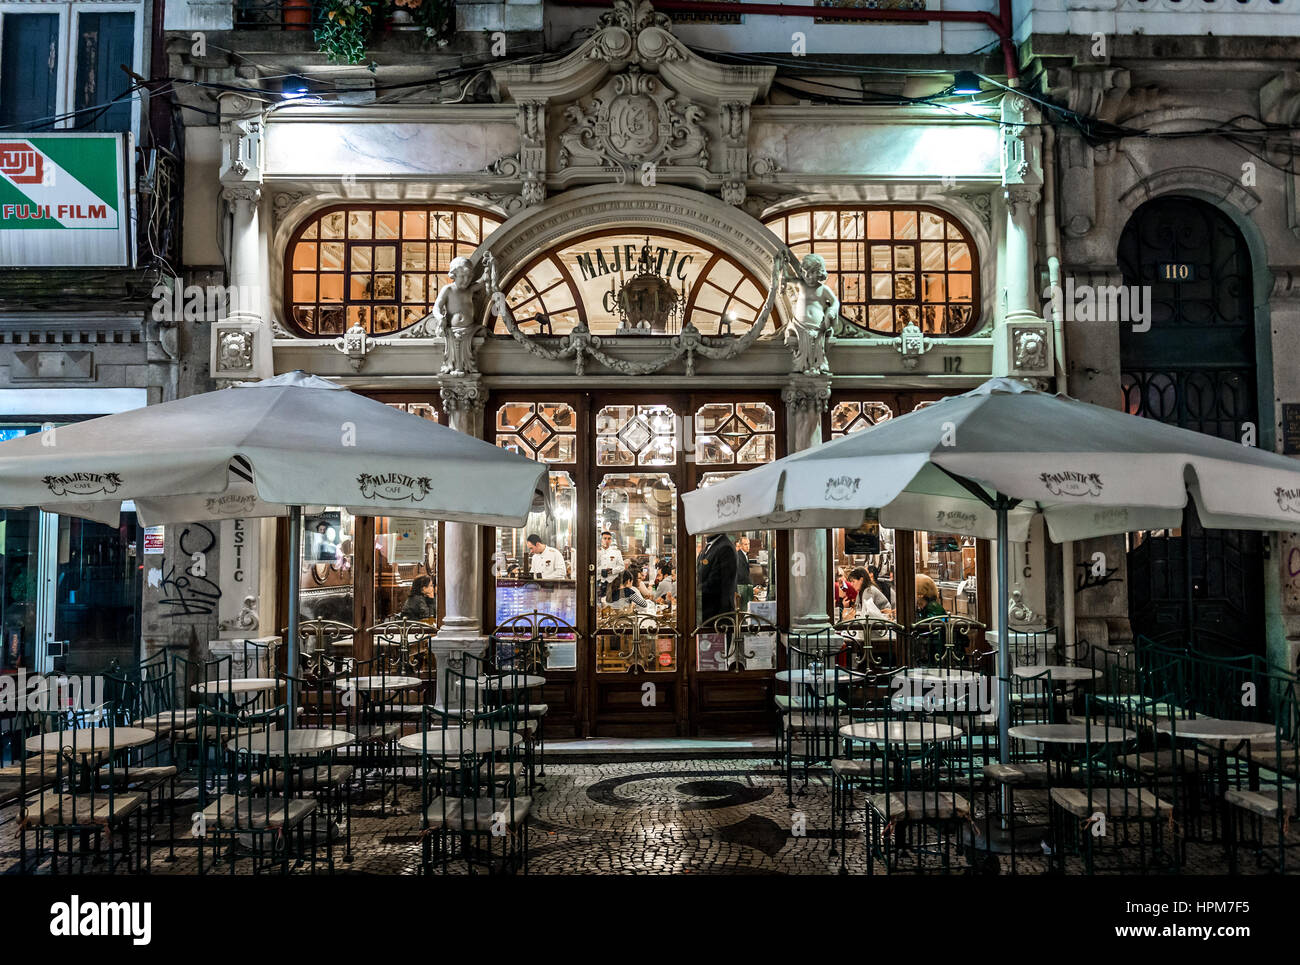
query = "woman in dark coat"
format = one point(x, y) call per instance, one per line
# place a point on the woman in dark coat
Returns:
point(422, 604)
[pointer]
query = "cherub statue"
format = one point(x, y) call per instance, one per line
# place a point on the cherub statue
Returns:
point(816, 315)
point(456, 316)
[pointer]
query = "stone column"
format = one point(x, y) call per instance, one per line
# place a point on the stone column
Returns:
point(247, 297)
point(461, 632)
point(1022, 182)
point(806, 398)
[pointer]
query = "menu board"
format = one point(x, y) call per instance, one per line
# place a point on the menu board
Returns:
point(1291, 428)
point(547, 596)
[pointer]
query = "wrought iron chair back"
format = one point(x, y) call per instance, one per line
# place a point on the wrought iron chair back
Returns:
point(527, 638)
point(735, 627)
point(322, 643)
point(943, 641)
point(637, 639)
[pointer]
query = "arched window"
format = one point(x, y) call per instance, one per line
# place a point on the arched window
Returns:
point(377, 265)
point(623, 281)
point(891, 266)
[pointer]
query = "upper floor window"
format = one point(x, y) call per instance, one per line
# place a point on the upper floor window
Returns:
point(377, 266)
point(891, 266)
point(61, 67)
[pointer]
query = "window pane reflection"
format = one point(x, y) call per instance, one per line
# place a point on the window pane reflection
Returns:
point(328, 554)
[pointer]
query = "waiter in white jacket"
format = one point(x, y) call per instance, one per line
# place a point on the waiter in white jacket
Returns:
point(609, 560)
point(547, 562)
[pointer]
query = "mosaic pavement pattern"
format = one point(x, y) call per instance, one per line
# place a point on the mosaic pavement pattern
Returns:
point(649, 817)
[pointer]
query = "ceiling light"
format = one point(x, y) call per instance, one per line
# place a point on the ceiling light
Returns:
point(965, 82)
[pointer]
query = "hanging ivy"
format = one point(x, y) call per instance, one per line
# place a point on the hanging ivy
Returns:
point(345, 26)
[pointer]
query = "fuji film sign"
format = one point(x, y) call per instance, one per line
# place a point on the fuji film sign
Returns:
point(65, 200)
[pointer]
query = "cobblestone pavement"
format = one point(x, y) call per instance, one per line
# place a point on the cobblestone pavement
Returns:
point(659, 817)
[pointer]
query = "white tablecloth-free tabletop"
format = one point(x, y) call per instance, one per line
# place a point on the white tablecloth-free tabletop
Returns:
point(303, 741)
point(839, 675)
point(380, 682)
point(239, 685)
point(1070, 734)
point(509, 682)
point(451, 742)
point(1215, 729)
point(1059, 674)
point(900, 732)
point(85, 740)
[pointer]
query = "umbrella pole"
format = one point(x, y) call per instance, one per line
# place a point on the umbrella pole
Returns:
point(1002, 506)
point(295, 568)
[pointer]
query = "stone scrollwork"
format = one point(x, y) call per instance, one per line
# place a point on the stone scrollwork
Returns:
point(356, 344)
point(634, 118)
point(580, 344)
point(912, 343)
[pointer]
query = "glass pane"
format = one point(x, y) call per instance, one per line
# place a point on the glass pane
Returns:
point(635, 553)
point(864, 572)
point(386, 224)
point(945, 574)
point(328, 555)
point(19, 567)
point(97, 594)
point(304, 256)
point(405, 550)
point(534, 567)
point(359, 224)
point(106, 41)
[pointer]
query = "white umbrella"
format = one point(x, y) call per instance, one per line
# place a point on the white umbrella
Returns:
point(985, 462)
point(267, 449)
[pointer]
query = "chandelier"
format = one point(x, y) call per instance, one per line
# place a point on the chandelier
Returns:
point(647, 302)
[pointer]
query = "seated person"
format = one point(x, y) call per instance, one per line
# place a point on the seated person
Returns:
point(884, 585)
point(927, 598)
point(864, 605)
point(624, 594)
point(665, 585)
point(422, 603)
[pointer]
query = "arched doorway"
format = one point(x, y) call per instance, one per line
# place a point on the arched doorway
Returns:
point(1195, 367)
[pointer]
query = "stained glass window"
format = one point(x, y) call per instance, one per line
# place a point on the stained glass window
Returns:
point(380, 267)
point(891, 267)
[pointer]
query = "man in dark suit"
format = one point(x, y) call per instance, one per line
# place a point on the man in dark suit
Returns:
point(715, 576)
point(744, 584)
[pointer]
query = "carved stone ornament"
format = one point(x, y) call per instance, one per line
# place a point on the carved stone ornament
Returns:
point(356, 344)
point(807, 394)
point(815, 317)
point(455, 316)
point(233, 349)
point(912, 343)
point(282, 202)
point(1030, 348)
point(635, 104)
point(633, 119)
point(462, 393)
point(246, 619)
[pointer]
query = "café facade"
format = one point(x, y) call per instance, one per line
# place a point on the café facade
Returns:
point(646, 232)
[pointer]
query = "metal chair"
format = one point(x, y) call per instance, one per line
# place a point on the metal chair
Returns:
point(243, 811)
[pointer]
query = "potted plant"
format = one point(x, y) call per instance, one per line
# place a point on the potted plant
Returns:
point(345, 26)
point(296, 14)
point(436, 17)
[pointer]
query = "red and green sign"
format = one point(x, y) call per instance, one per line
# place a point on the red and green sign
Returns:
point(64, 200)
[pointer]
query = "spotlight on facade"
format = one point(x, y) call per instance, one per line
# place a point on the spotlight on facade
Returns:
point(965, 82)
point(293, 87)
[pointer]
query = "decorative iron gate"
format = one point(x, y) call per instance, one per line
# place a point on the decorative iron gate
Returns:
point(1195, 368)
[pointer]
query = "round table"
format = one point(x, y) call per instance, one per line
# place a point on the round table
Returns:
point(939, 676)
point(1070, 734)
point(379, 683)
point(1215, 729)
point(1059, 674)
point(818, 677)
point(513, 682)
point(900, 732)
point(302, 741)
point(237, 685)
point(87, 740)
point(451, 742)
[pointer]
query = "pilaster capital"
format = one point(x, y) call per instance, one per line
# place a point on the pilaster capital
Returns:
point(246, 191)
point(807, 393)
point(462, 395)
point(1022, 199)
